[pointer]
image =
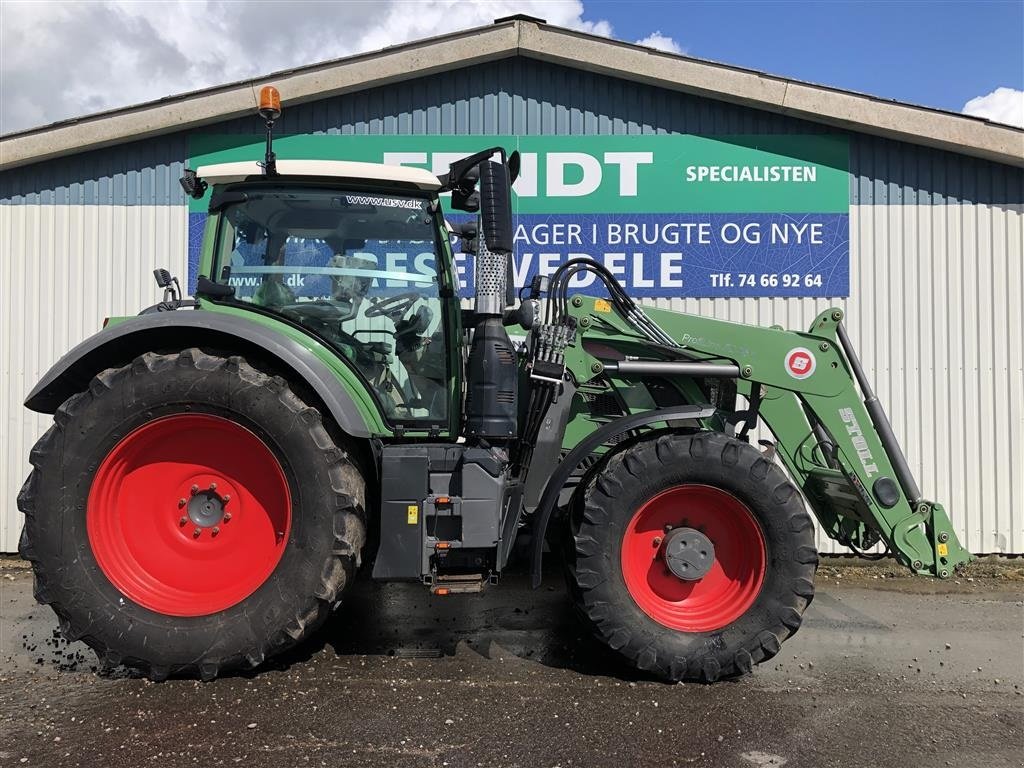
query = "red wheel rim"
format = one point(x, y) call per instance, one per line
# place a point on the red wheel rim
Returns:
point(725, 592)
point(189, 514)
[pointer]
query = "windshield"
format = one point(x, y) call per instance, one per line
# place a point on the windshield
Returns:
point(359, 270)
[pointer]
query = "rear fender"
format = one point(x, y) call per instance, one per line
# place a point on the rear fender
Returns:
point(119, 344)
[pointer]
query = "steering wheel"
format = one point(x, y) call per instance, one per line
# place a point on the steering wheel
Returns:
point(393, 306)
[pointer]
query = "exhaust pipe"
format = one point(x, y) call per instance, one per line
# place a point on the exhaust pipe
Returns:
point(492, 373)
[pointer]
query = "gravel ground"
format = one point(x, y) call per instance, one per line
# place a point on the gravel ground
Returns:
point(886, 671)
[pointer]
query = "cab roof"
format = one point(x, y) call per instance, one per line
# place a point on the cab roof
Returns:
point(228, 173)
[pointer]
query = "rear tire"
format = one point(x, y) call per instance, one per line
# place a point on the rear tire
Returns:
point(736, 615)
point(176, 588)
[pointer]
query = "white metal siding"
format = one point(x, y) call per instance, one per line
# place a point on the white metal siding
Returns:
point(63, 268)
point(935, 314)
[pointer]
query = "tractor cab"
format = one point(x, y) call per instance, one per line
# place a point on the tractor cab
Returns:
point(355, 254)
point(358, 257)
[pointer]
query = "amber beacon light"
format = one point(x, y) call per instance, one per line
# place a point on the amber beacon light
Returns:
point(270, 103)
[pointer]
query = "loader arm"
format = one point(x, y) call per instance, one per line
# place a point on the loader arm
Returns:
point(831, 432)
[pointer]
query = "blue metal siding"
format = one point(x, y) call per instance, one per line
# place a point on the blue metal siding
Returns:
point(885, 172)
point(138, 173)
point(525, 97)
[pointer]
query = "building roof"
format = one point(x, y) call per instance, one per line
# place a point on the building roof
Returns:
point(227, 173)
point(531, 38)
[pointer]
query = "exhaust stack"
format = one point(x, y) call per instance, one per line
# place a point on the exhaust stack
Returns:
point(492, 373)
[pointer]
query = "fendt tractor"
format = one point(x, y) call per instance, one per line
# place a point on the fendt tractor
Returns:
point(220, 467)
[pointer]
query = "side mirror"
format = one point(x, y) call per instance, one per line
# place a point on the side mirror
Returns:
point(496, 206)
point(465, 197)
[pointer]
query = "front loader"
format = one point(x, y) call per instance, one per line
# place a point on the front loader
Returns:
point(220, 467)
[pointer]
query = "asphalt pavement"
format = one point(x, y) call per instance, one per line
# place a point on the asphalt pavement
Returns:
point(885, 672)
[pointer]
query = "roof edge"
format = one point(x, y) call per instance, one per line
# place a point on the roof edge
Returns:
point(225, 102)
point(847, 110)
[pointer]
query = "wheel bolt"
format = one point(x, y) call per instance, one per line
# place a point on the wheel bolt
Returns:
point(657, 541)
point(181, 502)
point(215, 530)
point(196, 533)
point(194, 489)
point(227, 498)
point(182, 520)
point(227, 516)
point(213, 486)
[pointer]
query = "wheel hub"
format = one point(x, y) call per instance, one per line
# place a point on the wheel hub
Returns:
point(206, 508)
point(688, 553)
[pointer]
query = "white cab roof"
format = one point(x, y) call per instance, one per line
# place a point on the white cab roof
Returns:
point(227, 173)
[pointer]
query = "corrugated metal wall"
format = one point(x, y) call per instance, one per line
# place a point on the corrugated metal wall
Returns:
point(63, 268)
point(937, 243)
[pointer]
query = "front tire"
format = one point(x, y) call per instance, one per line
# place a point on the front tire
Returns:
point(680, 489)
point(188, 514)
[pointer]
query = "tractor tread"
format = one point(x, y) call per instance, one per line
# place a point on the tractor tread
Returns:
point(46, 459)
point(603, 505)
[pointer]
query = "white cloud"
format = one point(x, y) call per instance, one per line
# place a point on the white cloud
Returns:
point(60, 60)
point(661, 42)
point(1003, 105)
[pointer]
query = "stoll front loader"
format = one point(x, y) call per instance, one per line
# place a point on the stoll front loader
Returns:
point(220, 467)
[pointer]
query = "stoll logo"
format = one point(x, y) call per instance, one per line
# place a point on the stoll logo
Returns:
point(859, 443)
point(800, 363)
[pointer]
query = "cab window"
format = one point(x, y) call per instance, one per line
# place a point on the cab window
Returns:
point(357, 269)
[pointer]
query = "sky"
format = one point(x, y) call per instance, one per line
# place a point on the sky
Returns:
point(67, 59)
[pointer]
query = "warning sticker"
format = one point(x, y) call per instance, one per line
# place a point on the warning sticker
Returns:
point(412, 514)
point(800, 363)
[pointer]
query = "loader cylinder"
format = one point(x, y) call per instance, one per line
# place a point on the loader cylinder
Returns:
point(881, 422)
point(671, 367)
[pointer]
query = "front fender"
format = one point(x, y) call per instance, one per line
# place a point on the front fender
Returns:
point(568, 465)
point(120, 343)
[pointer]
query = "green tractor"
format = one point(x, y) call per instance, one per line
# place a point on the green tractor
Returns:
point(219, 468)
